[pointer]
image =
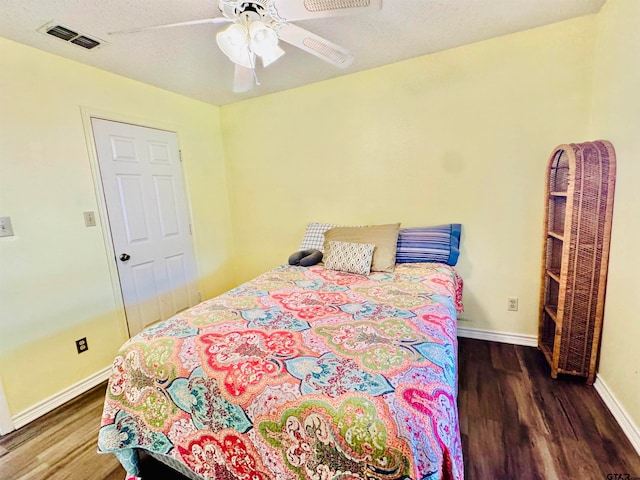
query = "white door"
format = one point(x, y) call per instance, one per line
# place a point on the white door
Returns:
point(149, 219)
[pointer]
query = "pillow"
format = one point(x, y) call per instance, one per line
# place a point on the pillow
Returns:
point(350, 257)
point(314, 236)
point(384, 237)
point(429, 244)
point(305, 258)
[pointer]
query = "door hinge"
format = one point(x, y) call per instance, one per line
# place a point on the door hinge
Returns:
point(180, 155)
point(190, 230)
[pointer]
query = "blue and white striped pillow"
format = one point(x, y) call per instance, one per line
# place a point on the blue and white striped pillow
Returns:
point(429, 244)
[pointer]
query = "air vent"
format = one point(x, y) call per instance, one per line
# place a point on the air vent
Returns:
point(324, 5)
point(85, 42)
point(62, 32)
point(68, 35)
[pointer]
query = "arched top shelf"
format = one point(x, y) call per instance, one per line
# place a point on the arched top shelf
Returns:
point(579, 190)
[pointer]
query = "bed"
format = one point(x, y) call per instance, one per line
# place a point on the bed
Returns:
point(300, 373)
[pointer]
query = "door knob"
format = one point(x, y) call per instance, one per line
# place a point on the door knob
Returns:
point(124, 257)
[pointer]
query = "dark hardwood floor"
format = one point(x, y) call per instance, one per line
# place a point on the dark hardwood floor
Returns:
point(516, 423)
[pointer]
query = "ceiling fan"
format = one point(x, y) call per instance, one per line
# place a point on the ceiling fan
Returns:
point(256, 26)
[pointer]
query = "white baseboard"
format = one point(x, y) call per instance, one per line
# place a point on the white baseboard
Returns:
point(629, 428)
point(60, 398)
point(502, 337)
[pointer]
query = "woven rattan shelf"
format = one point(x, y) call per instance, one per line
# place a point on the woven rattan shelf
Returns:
point(577, 230)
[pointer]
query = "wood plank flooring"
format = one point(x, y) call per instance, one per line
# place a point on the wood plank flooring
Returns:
point(516, 423)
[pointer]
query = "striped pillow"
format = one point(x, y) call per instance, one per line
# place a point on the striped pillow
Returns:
point(429, 244)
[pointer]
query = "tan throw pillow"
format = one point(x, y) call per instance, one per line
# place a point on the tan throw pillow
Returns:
point(384, 237)
point(350, 257)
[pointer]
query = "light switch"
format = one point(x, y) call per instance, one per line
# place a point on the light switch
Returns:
point(6, 230)
point(89, 219)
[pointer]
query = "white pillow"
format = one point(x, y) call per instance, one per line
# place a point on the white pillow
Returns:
point(350, 257)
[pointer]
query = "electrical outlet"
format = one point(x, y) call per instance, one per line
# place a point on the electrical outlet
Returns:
point(82, 345)
point(512, 304)
point(89, 219)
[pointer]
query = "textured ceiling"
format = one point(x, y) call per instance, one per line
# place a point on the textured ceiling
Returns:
point(186, 60)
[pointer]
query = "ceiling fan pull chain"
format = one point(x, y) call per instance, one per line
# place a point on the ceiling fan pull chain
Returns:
point(252, 57)
point(252, 61)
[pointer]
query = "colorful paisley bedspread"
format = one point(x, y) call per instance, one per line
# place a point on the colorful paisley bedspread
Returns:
point(302, 373)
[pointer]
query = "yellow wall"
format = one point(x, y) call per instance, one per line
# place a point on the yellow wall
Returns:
point(616, 117)
point(459, 136)
point(55, 281)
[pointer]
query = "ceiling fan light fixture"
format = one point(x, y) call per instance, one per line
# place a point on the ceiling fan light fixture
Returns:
point(264, 43)
point(233, 43)
point(241, 43)
point(271, 56)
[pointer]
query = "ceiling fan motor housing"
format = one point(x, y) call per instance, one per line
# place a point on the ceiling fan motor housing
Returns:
point(251, 10)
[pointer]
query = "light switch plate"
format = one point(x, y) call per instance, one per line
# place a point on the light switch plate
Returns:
point(89, 219)
point(6, 230)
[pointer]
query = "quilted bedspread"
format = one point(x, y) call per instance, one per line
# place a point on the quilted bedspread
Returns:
point(301, 373)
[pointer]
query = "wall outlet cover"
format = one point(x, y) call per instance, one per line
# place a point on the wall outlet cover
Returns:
point(82, 345)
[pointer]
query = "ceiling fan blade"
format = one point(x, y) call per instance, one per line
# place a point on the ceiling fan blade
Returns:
point(288, 11)
point(171, 25)
point(315, 45)
point(242, 79)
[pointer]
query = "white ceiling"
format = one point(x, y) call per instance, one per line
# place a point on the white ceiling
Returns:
point(186, 60)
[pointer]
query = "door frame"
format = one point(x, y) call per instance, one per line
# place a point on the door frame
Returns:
point(87, 114)
point(6, 422)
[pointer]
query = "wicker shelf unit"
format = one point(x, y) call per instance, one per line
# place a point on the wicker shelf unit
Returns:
point(579, 193)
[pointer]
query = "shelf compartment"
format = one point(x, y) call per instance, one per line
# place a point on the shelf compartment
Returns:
point(552, 312)
point(554, 274)
point(547, 338)
point(559, 172)
point(547, 350)
point(551, 295)
point(553, 256)
point(556, 214)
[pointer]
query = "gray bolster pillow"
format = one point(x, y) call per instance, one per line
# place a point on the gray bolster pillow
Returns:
point(306, 258)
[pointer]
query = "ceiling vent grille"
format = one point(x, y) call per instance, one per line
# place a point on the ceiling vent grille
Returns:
point(85, 42)
point(323, 5)
point(62, 32)
point(68, 35)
